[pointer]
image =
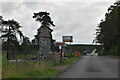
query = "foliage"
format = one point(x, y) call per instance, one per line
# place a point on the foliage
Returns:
point(108, 29)
point(26, 46)
point(9, 30)
point(102, 52)
point(44, 19)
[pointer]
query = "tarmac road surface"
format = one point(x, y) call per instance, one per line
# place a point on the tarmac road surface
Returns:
point(93, 67)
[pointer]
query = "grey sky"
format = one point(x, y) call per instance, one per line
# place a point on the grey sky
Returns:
point(77, 18)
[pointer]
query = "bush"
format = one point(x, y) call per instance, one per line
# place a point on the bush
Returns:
point(114, 51)
point(102, 52)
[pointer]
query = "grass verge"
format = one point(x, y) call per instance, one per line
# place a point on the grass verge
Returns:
point(68, 61)
point(30, 69)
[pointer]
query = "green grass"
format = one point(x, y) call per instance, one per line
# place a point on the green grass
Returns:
point(68, 61)
point(0, 58)
point(36, 74)
point(27, 69)
point(30, 69)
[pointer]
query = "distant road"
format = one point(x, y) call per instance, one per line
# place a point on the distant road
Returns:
point(93, 67)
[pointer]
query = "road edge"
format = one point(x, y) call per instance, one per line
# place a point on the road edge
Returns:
point(66, 68)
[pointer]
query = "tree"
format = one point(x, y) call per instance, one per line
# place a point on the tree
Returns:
point(44, 19)
point(108, 30)
point(26, 41)
point(9, 31)
point(26, 45)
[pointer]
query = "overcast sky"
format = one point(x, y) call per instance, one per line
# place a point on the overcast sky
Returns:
point(77, 18)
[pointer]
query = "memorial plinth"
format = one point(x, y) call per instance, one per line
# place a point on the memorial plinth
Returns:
point(45, 41)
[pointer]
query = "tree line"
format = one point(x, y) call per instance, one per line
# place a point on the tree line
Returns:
point(107, 32)
point(10, 30)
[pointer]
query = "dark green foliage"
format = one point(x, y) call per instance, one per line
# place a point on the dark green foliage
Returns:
point(108, 30)
point(44, 19)
point(26, 46)
point(9, 30)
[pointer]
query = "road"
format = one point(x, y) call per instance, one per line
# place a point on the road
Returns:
point(93, 67)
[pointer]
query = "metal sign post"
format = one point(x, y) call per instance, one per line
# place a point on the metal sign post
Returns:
point(60, 44)
point(60, 47)
point(70, 47)
point(68, 39)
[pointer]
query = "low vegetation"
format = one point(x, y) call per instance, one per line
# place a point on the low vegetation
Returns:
point(28, 69)
point(31, 69)
point(68, 61)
